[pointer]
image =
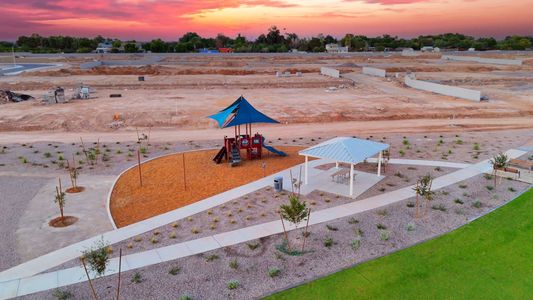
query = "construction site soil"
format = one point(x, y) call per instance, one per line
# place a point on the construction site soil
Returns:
point(179, 91)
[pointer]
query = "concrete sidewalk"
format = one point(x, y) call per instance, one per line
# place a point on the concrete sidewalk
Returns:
point(41, 282)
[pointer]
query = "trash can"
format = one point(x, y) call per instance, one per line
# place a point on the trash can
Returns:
point(278, 184)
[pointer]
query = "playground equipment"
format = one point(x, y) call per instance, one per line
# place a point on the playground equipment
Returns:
point(241, 112)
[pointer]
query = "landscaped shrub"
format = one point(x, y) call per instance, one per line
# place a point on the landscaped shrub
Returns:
point(172, 235)
point(410, 204)
point(353, 220)
point(440, 207)
point(477, 204)
point(174, 271)
point(381, 226)
point(211, 257)
point(355, 244)
point(384, 235)
point(381, 212)
point(328, 242)
point(185, 297)
point(97, 257)
point(487, 176)
point(458, 201)
point(511, 189)
point(233, 264)
point(233, 284)
point(274, 272)
point(136, 278)
point(489, 187)
point(332, 228)
point(61, 295)
point(410, 226)
point(463, 186)
point(253, 246)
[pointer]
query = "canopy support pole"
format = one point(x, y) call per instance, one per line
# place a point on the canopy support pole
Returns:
point(379, 162)
point(336, 165)
point(306, 172)
point(351, 179)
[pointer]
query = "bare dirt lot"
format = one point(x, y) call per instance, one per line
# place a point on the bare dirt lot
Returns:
point(181, 90)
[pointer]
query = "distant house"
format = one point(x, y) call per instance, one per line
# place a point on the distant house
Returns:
point(426, 49)
point(335, 48)
point(471, 49)
point(104, 47)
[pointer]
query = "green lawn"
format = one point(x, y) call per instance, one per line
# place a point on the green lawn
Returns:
point(490, 258)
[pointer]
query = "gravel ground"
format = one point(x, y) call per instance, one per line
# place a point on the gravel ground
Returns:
point(206, 276)
point(15, 194)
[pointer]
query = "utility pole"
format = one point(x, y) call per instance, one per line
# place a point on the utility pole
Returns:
point(13, 52)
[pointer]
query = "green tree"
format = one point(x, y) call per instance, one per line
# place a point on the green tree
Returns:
point(295, 212)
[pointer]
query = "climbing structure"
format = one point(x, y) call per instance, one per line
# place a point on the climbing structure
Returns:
point(242, 113)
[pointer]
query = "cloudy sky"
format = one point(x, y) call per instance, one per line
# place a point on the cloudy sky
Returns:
point(168, 19)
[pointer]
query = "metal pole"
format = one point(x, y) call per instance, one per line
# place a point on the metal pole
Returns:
point(351, 179)
point(184, 173)
point(305, 232)
point(306, 171)
point(139, 166)
point(119, 269)
point(89, 278)
point(286, 234)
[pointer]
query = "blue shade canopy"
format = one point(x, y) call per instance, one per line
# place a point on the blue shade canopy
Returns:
point(238, 113)
point(345, 149)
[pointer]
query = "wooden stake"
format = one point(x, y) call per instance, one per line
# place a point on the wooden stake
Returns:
point(89, 278)
point(184, 173)
point(139, 167)
point(286, 234)
point(119, 269)
point(306, 226)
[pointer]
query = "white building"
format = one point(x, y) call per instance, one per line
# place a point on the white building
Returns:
point(104, 47)
point(335, 48)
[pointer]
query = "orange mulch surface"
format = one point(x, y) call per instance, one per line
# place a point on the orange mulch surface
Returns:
point(163, 187)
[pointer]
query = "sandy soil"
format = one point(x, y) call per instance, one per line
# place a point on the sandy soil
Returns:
point(183, 89)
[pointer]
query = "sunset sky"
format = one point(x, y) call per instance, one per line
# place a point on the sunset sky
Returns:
point(169, 19)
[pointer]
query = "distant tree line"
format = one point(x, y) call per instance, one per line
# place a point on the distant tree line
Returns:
point(271, 41)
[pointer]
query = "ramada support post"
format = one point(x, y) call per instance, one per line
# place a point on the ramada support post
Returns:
point(351, 179)
point(379, 162)
point(306, 171)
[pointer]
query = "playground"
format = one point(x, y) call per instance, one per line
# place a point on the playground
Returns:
point(173, 181)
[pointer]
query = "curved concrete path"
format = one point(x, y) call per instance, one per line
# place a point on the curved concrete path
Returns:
point(31, 284)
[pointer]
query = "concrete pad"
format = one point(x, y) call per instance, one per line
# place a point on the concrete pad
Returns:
point(37, 283)
point(9, 289)
point(173, 252)
point(71, 276)
point(142, 259)
point(202, 245)
point(88, 206)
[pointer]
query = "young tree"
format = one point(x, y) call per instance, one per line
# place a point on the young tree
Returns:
point(423, 189)
point(60, 199)
point(73, 173)
point(498, 162)
point(295, 212)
